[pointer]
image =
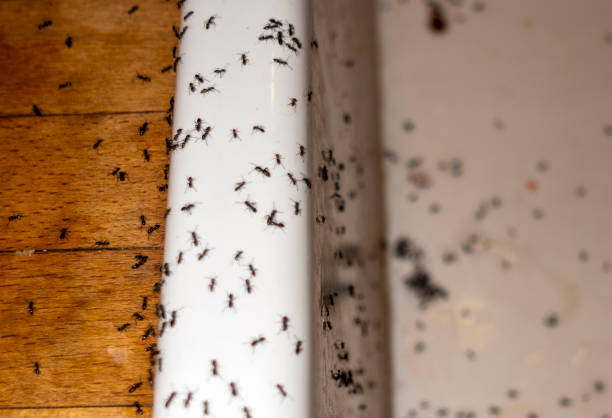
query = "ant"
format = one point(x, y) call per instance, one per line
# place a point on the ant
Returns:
point(214, 368)
point(66, 84)
point(248, 286)
point(296, 208)
point(188, 15)
point(203, 253)
point(259, 128)
point(31, 308)
point(244, 59)
point(279, 38)
point(239, 185)
point(145, 154)
point(302, 151)
point(176, 33)
point(160, 311)
point(124, 327)
point(297, 42)
point(257, 341)
point(253, 270)
point(307, 181)
point(166, 269)
point(102, 243)
point(36, 368)
point(291, 29)
point(298, 347)
point(176, 62)
point(173, 319)
point(233, 389)
point(63, 233)
point(270, 219)
point(210, 22)
point(153, 229)
point(206, 133)
point(45, 24)
point(282, 62)
point(187, 399)
point(14, 217)
point(206, 90)
point(205, 404)
point(293, 102)
point(190, 183)
point(238, 255)
point(230, 300)
point(97, 143)
point(212, 284)
point(187, 208)
point(246, 411)
point(150, 331)
point(285, 323)
point(266, 37)
point(199, 77)
point(138, 406)
point(278, 159)
point(144, 78)
point(194, 238)
point(192, 87)
point(180, 258)
point(292, 179)
point(143, 128)
point(163, 328)
point(134, 387)
point(235, 134)
point(137, 316)
point(198, 124)
point(144, 303)
point(219, 71)
point(251, 206)
point(281, 389)
point(262, 170)
point(166, 68)
point(36, 110)
point(167, 213)
point(170, 398)
point(292, 48)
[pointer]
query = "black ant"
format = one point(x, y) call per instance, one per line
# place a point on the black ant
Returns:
point(247, 413)
point(134, 387)
point(292, 48)
point(282, 62)
point(302, 151)
point(244, 59)
point(297, 42)
point(143, 128)
point(220, 71)
point(176, 33)
point(206, 133)
point(285, 323)
point(166, 269)
point(205, 404)
point(192, 87)
point(212, 284)
point(235, 134)
point(140, 260)
point(251, 206)
point(138, 406)
point(279, 38)
point(97, 143)
point(144, 303)
point(102, 243)
point(233, 389)
point(36, 110)
point(150, 331)
point(214, 367)
point(238, 255)
point(63, 233)
point(270, 219)
point(263, 171)
point(257, 341)
point(14, 217)
point(124, 327)
point(190, 183)
point(64, 85)
point(206, 90)
point(144, 78)
point(188, 15)
point(248, 286)
point(296, 208)
point(179, 259)
point(36, 368)
point(173, 319)
point(187, 399)
point(68, 42)
point(194, 238)
point(145, 154)
point(291, 29)
point(198, 124)
point(188, 207)
point(153, 229)
point(176, 62)
point(292, 178)
point(314, 44)
point(293, 102)
point(199, 77)
point(203, 253)
point(278, 159)
point(137, 316)
point(45, 24)
point(307, 182)
point(230, 300)
point(281, 389)
point(31, 308)
point(259, 128)
point(298, 347)
point(239, 185)
point(266, 37)
point(210, 22)
point(166, 68)
point(170, 398)
point(253, 270)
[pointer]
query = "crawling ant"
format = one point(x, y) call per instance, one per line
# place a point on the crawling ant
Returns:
point(166, 68)
point(248, 286)
point(145, 154)
point(36, 368)
point(277, 23)
point(211, 22)
point(266, 37)
point(235, 134)
point(183, 32)
point(293, 102)
point(203, 254)
point(179, 3)
point(285, 323)
point(68, 42)
point(297, 42)
point(239, 185)
point(138, 406)
point(36, 110)
point(292, 179)
point(247, 413)
point(167, 213)
point(298, 347)
point(281, 389)
point(307, 182)
point(64, 85)
point(176, 62)
point(244, 60)
point(150, 331)
point(194, 239)
point(214, 368)
point(219, 71)
point(257, 341)
point(278, 159)
point(314, 44)
point(206, 133)
point(188, 15)
point(102, 243)
point(176, 33)
point(205, 404)
point(230, 300)
point(144, 78)
point(166, 269)
point(282, 62)
point(14, 217)
point(160, 311)
point(280, 225)
point(238, 255)
point(262, 170)
point(291, 29)
point(31, 308)
point(137, 316)
point(159, 362)
point(233, 389)
point(45, 24)
point(63, 233)
point(144, 303)
point(259, 128)
point(198, 124)
point(292, 48)
point(150, 380)
point(302, 151)
point(187, 399)
point(206, 90)
point(170, 398)
point(279, 38)
point(162, 329)
point(122, 175)
point(124, 327)
point(212, 284)
point(199, 77)
point(270, 219)
point(132, 10)
point(143, 221)
point(143, 128)
point(97, 143)
point(192, 87)
point(296, 208)
point(253, 270)
point(153, 229)
point(309, 95)
point(179, 258)
point(134, 387)
point(140, 260)
point(190, 182)
point(251, 206)
point(187, 208)
point(173, 319)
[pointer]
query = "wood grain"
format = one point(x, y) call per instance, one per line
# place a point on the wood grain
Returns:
point(55, 179)
point(109, 48)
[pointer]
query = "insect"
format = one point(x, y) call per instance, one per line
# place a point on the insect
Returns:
point(251, 206)
point(309, 95)
point(199, 77)
point(122, 175)
point(248, 286)
point(68, 42)
point(206, 133)
point(179, 3)
point(239, 185)
point(36, 368)
point(170, 398)
point(275, 22)
point(153, 229)
point(292, 48)
point(63, 233)
point(145, 154)
point(194, 238)
point(163, 328)
point(257, 341)
point(188, 399)
point(246, 411)
point(132, 10)
point(298, 347)
point(244, 59)
point(97, 143)
point(176, 33)
point(259, 128)
point(144, 78)
point(140, 260)
point(253, 270)
point(173, 319)
point(279, 38)
point(281, 389)
point(292, 178)
point(206, 90)
point(262, 170)
point(166, 269)
point(134, 387)
point(166, 68)
point(187, 138)
point(179, 259)
point(64, 85)
point(238, 255)
point(233, 389)
point(302, 151)
point(220, 71)
point(139, 410)
point(150, 380)
point(36, 110)
point(205, 404)
point(143, 128)
point(192, 87)
point(183, 32)
point(159, 363)
point(296, 208)
point(278, 159)
point(307, 182)
point(176, 62)
point(214, 368)
point(187, 208)
point(271, 217)
point(291, 29)
point(314, 44)
point(282, 62)
point(150, 331)
point(297, 42)
point(198, 124)
point(167, 213)
point(210, 22)
point(230, 300)
point(203, 254)
point(137, 316)
point(45, 24)
point(160, 311)
point(266, 37)
point(143, 220)
point(293, 102)
point(14, 217)
point(212, 284)
point(235, 134)
point(124, 327)
point(103, 243)
point(190, 183)
point(31, 308)
point(188, 15)
point(285, 323)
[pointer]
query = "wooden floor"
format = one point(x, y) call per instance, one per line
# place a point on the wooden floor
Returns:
point(70, 230)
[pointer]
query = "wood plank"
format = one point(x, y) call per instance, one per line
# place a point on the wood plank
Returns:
point(80, 298)
point(55, 179)
point(109, 48)
point(77, 412)
point(352, 368)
